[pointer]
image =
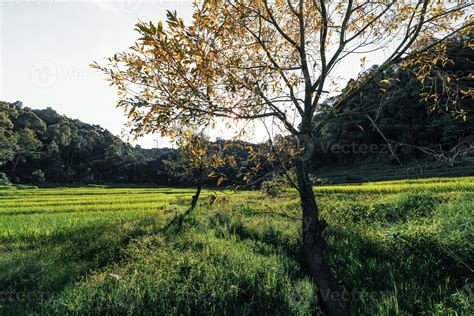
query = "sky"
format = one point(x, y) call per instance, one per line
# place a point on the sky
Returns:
point(47, 45)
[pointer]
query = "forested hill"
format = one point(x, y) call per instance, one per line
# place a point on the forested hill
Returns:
point(41, 145)
point(392, 109)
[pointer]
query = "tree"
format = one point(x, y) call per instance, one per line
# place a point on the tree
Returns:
point(28, 119)
point(8, 137)
point(27, 146)
point(197, 160)
point(244, 60)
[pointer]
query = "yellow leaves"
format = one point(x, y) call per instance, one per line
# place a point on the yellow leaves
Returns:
point(406, 9)
point(149, 42)
point(131, 112)
point(424, 96)
point(220, 180)
point(388, 81)
point(217, 64)
point(217, 161)
point(422, 77)
point(232, 162)
point(466, 92)
point(148, 94)
point(468, 44)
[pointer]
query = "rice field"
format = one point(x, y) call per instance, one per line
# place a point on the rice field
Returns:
point(398, 247)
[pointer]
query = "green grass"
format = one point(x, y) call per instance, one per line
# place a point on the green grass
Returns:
point(400, 247)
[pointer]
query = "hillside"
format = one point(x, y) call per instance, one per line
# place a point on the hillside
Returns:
point(391, 111)
point(43, 146)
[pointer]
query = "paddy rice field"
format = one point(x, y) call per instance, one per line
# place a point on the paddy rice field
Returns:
point(398, 247)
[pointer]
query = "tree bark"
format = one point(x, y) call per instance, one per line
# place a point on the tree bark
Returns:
point(336, 301)
point(15, 164)
point(199, 187)
point(196, 195)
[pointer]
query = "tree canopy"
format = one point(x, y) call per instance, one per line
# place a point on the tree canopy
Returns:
point(262, 59)
point(257, 59)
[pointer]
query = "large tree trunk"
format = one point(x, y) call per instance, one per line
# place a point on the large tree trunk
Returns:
point(337, 302)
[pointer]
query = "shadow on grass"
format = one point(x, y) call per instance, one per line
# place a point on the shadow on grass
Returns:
point(32, 271)
point(410, 267)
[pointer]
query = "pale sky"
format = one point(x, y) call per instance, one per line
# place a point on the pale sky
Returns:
point(47, 45)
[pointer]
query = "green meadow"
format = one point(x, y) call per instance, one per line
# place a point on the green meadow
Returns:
point(399, 247)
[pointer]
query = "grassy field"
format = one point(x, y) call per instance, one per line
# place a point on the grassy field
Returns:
point(400, 247)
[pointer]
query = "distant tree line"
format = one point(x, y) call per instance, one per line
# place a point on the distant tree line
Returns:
point(41, 145)
point(44, 146)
